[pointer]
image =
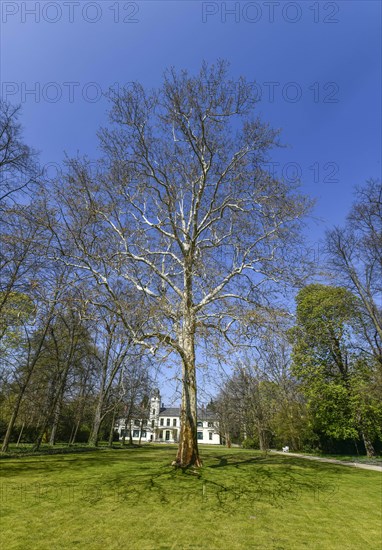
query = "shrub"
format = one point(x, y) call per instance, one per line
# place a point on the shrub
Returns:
point(250, 443)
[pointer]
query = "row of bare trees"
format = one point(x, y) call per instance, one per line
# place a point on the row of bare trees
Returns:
point(67, 362)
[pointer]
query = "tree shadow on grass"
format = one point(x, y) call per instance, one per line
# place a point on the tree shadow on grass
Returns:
point(229, 486)
point(226, 461)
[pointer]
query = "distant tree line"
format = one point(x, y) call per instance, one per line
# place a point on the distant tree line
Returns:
point(315, 382)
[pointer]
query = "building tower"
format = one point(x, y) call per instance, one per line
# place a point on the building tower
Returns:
point(154, 414)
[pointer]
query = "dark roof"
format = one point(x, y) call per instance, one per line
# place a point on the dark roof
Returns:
point(170, 411)
point(203, 414)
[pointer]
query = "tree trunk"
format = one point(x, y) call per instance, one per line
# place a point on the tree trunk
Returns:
point(58, 407)
point(37, 443)
point(56, 419)
point(263, 439)
point(104, 390)
point(20, 434)
point(16, 408)
point(73, 437)
point(12, 420)
point(53, 399)
point(111, 433)
point(46, 420)
point(130, 434)
point(188, 453)
point(140, 432)
point(61, 389)
point(94, 434)
point(79, 414)
point(370, 451)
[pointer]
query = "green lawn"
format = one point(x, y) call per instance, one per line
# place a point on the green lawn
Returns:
point(240, 499)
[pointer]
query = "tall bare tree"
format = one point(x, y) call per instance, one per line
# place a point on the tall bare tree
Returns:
point(19, 174)
point(183, 210)
point(112, 351)
point(18, 167)
point(355, 255)
point(20, 260)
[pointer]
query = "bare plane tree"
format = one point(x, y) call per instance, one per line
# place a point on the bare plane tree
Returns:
point(183, 211)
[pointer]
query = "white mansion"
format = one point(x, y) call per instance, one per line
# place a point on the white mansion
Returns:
point(163, 425)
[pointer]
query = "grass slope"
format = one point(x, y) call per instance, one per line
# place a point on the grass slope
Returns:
point(133, 499)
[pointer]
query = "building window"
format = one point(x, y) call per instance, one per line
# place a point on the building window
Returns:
point(162, 421)
point(136, 422)
point(167, 435)
point(161, 434)
point(152, 423)
point(135, 433)
point(168, 422)
point(210, 424)
point(200, 435)
point(174, 422)
point(153, 411)
point(143, 433)
point(199, 424)
point(210, 436)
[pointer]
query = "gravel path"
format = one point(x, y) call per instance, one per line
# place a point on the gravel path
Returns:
point(333, 461)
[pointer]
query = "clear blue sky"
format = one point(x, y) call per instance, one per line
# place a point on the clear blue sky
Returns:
point(321, 59)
